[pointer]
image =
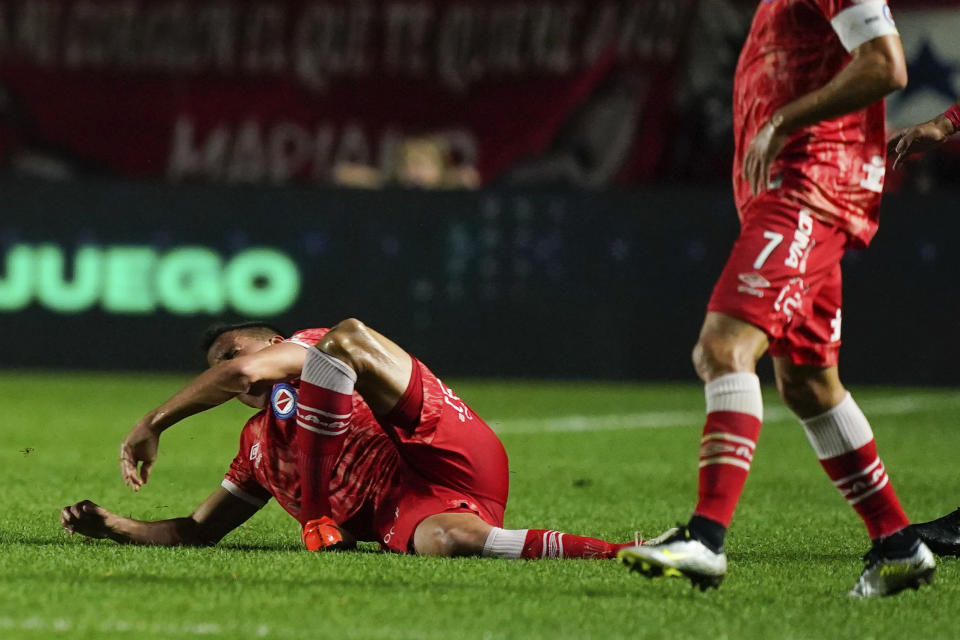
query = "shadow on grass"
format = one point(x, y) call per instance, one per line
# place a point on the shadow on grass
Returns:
point(66, 540)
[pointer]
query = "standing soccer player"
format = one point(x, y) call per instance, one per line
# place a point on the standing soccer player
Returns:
point(808, 174)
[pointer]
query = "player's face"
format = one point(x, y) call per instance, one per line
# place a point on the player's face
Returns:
point(234, 344)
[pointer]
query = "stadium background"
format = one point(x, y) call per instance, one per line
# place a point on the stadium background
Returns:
point(511, 189)
point(495, 184)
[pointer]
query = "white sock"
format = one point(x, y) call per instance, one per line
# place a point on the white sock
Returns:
point(739, 392)
point(504, 543)
point(323, 370)
point(840, 430)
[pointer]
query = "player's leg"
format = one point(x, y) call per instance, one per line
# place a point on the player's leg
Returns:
point(466, 534)
point(805, 364)
point(350, 356)
point(733, 337)
point(844, 443)
point(725, 358)
point(761, 288)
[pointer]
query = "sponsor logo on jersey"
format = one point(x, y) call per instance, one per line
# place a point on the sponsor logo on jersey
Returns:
point(801, 245)
point(836, 325)
point(283, 401)
point(790, 299)
point(875, 172)
point(451, 399)
point(256, 455)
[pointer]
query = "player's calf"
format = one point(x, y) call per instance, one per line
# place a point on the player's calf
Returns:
point(451, 535)
point(464, 534)
point(808, 390)
point(547, 543)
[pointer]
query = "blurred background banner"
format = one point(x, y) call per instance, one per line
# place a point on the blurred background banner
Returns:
point(541, 283)
point(366, 93)
point(278, 92)
point(539, 187)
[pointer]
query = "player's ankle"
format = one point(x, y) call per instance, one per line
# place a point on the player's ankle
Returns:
point(901, 543)
point(710, 532)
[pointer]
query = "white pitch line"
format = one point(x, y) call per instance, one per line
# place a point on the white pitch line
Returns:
point(893, 406)
point(63, 625)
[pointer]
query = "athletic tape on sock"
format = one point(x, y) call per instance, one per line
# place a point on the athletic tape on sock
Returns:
point(738, 392)
point(504, 543)
point(841, 429)
point(323, 370)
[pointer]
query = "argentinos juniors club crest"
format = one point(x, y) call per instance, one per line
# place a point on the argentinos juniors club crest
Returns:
point(283, 401)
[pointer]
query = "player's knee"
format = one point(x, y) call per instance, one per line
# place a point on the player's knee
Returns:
point(350, 341)
point(716, 355)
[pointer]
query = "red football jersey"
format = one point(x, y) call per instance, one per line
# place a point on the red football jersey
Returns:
point(834, 167)
point(266, 464)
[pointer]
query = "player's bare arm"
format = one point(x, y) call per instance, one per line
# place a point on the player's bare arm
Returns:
point(876, 69)
point(925, 136)
point(242, 366)
point(216, 516)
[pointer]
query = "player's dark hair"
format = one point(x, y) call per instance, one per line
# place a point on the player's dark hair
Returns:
point(216, 330)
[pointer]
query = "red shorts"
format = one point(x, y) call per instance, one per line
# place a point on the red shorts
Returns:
point(783, 276)
point(450, 462)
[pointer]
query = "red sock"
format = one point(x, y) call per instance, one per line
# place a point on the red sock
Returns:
point(324, 410)
point(726, 451)
point(734, 418)
point(860, 477)
point(844, 443)
point(544, 543)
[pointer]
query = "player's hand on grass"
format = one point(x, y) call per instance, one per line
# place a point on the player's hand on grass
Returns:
point(138, 452)
point(323, 534)
point(919, 138)
point(86, 518)
point(762, 151)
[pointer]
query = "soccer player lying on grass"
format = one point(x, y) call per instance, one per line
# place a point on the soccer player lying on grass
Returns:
point(356, 439)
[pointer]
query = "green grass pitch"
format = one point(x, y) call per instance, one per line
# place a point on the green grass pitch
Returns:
point(598, 459)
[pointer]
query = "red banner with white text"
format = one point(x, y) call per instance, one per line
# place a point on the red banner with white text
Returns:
point(244, 91)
